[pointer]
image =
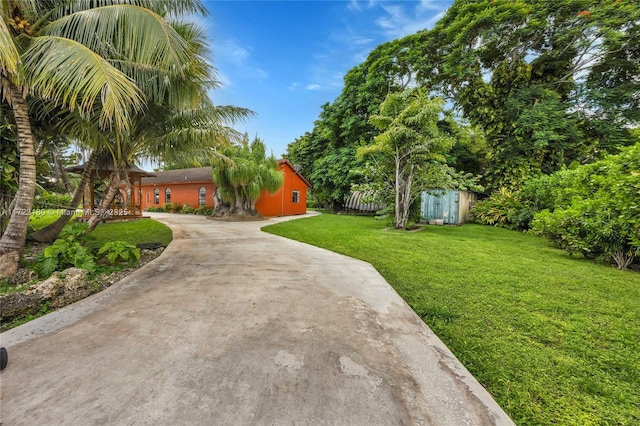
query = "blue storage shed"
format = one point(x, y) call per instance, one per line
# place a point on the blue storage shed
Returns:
point(450, 207)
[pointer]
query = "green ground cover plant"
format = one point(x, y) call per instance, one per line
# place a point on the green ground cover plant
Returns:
point(554, 338)
point(108, 251)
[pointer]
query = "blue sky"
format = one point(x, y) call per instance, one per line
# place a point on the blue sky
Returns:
point(284, 59)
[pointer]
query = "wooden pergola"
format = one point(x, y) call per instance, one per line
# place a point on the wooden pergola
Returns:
point(127, 204)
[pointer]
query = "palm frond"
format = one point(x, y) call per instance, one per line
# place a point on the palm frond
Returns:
point(60, 8)
point(9, 56)
point(71, 75)
point(127, 32)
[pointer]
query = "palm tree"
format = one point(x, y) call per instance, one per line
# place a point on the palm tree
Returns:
point(95, 59)
point(185, 126)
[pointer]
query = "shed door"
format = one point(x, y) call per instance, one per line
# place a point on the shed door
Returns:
point(444, 205)
point(451, 207)
point(432, 207)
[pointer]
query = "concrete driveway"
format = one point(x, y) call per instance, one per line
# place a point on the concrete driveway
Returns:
point(233, 326)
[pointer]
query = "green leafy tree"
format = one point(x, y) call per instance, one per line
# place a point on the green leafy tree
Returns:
point(550, 83)
point(411, 144)
point(242, 176)
point(327, 153)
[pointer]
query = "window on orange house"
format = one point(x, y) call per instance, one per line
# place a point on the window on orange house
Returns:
point(202, 196)
point(156, 196)
point(295, 196)
point(167, 195)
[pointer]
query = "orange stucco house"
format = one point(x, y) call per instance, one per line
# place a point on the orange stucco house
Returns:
point(195, 187)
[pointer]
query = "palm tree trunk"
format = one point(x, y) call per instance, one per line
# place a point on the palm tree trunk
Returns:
point(105, 204)
point(61, 172)
point(51, 232)
point(13, 240)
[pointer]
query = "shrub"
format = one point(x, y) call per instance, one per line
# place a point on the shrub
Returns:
point(204, 210)
point(52, 201)
point(119, 250)
point(502, 209)
point(62, 254)
point(597, 209)
point(187, 209)
point(172, 207)
point(153, 209)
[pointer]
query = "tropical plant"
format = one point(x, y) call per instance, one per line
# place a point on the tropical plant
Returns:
point(62, 254)
point(499, 209)
point(96, 60)
point(243, 176)
point(597, 209)
point(411, 145)
point(119, 250)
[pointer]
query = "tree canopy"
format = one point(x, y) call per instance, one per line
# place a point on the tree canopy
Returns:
point(544, 84)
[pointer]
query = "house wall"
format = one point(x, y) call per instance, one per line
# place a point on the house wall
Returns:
point(182, 193)
point(281, 202)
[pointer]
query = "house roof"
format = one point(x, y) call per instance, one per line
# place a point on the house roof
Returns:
point(196, 174)
point(293, 168)
point(201, 174)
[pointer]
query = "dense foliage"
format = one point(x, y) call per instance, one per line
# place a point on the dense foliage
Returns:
point(596, 209)
point(546, 86)
point(592, 209)
point(550, 83)
point(242, 175)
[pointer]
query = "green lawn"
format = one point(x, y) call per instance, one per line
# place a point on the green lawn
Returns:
point(554, 338)
point(133, 232)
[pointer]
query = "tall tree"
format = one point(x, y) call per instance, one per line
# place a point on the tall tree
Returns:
point(550, 83)
point(184, 127)
point(412, 143)
point(91, 58)
point(327, 153)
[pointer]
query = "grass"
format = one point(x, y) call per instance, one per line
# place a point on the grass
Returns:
point(554, 338)
point(133, 232)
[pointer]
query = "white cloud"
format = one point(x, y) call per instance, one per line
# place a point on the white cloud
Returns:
point(293, 86)
point(231, 51)
point(360, 5)
point(354, 5)
point(362, 41)
point(327, 82)
point(259, 73)
point(400, 20)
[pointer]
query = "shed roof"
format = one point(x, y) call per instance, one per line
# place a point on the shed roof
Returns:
point(196, 174)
